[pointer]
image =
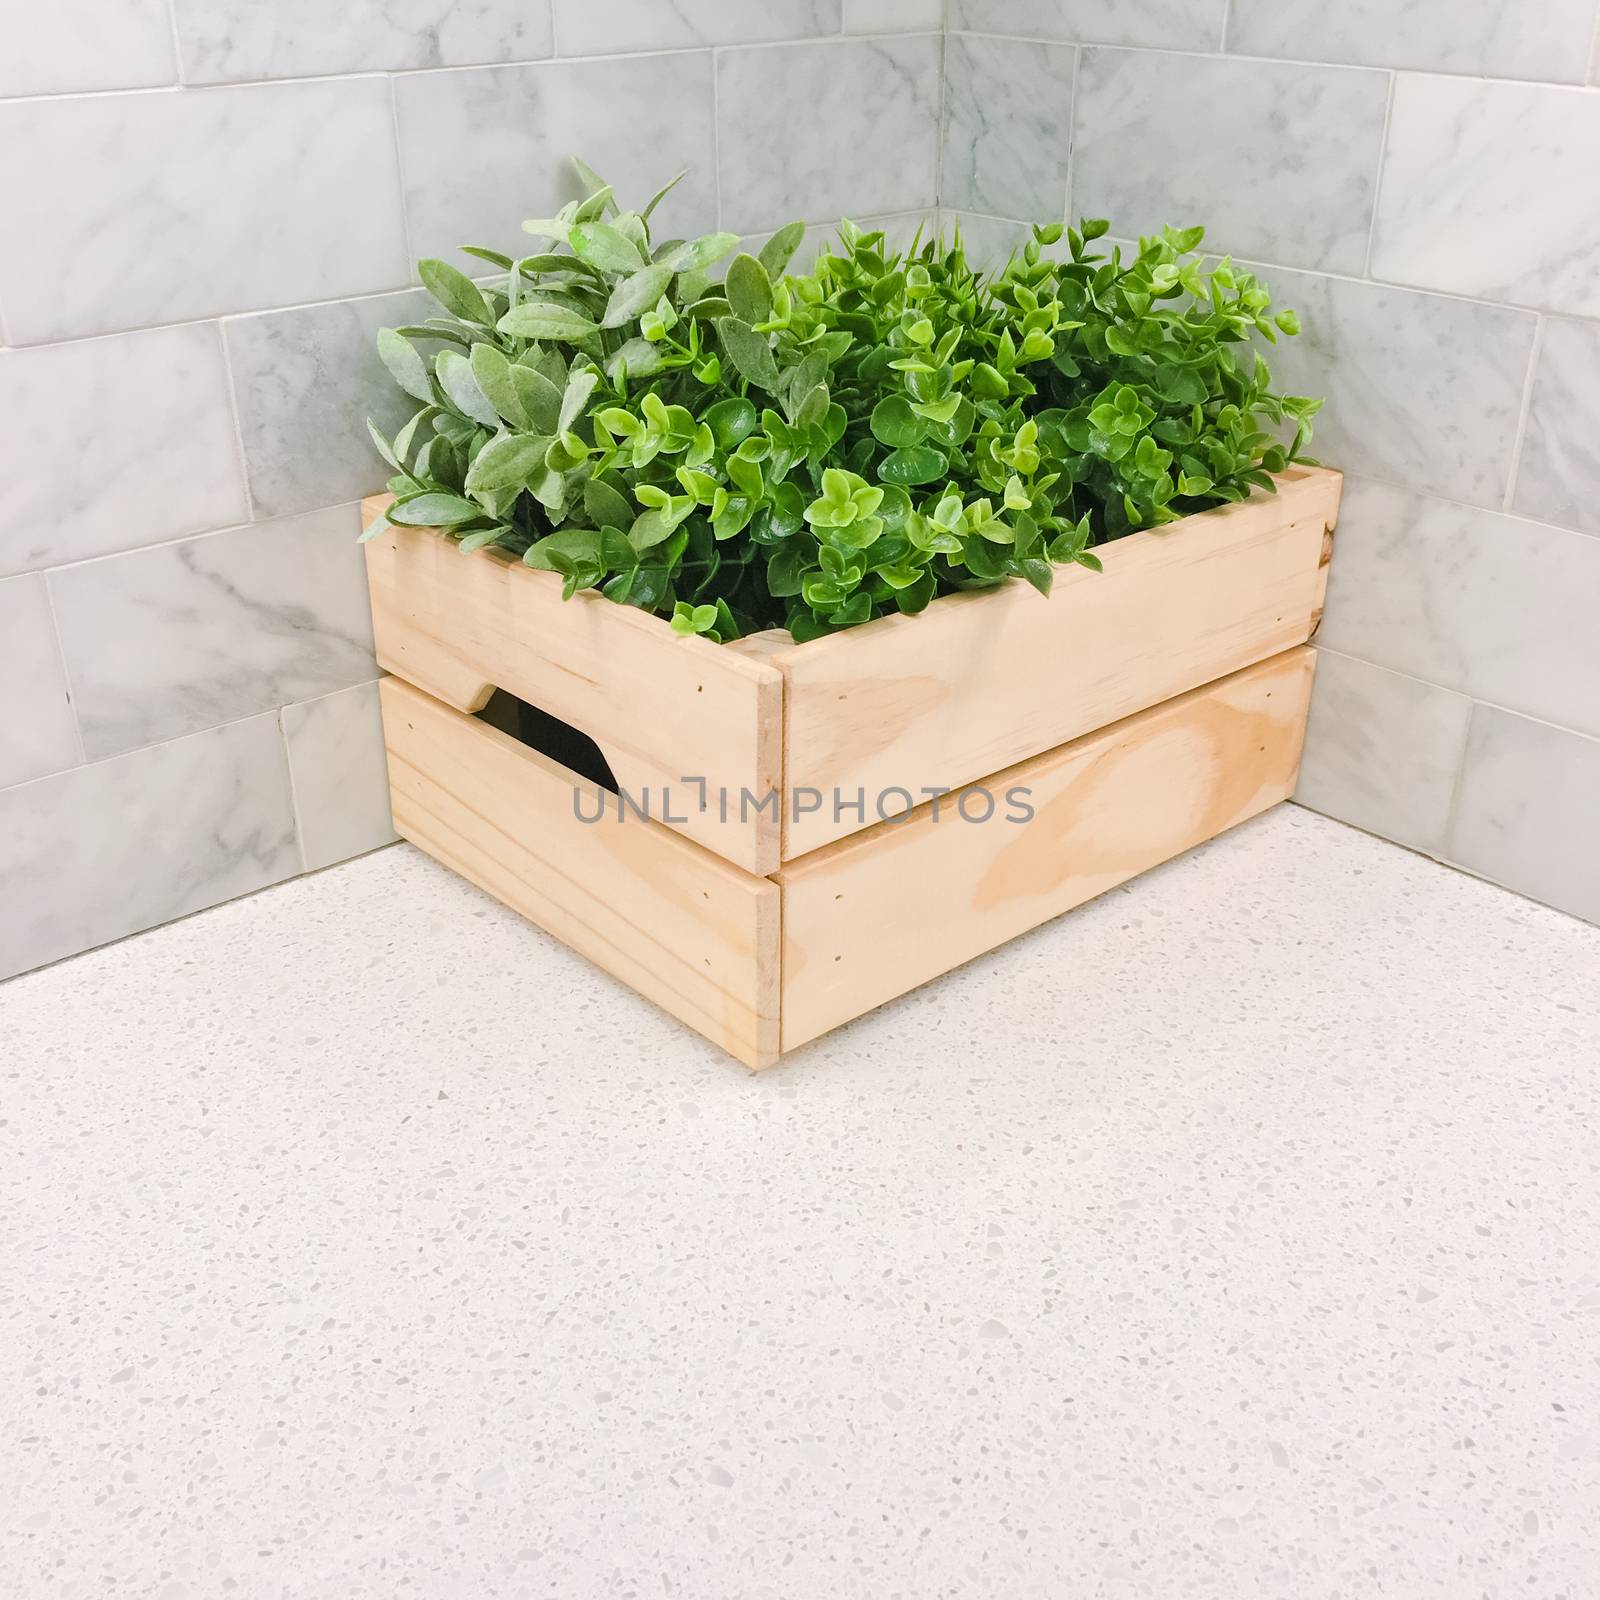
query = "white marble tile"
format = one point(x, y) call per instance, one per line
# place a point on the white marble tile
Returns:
point(1492, 38)
point(1489, 605)
point(1528, 814)
point(187, 204)
point(167, 641)
point(893, 16)
point(1382, 751)
point(306, 381)
point(605, 27)
point(1165, 24)
point(120, 442)
point(1488, 189)
point(636, 121)
point(37, 733)
point(870, 113)
point(340, 773)
point(224, 40)
point(1422, 389)
point(1277, 160)
point(1558, 478)
point(108, 849)
point(1007, 126)
point(73, 46)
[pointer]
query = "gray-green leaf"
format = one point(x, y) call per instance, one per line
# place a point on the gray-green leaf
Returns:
point(540, 398)
point(434, 511)
point(695, 254)
point(508, 462)
point(638, 357)
point(458, 383)
point(748, 291)
point(602, 246)
point(493, 372)
point(579, 387)
point(749, 352)
point(544, 319)
point(778, 251)
point(636, 294)
point(405, 364)
point(456, 292)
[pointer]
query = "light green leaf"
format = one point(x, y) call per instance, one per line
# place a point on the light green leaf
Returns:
point(507, 462)
point(638, 358)
point(579, 387)
point(749, 351)
point(662, 193)
point(694, 255)
point(434, 511)
point(495, 378)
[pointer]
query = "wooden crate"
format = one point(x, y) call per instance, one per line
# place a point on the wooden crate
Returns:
point(1144, 709)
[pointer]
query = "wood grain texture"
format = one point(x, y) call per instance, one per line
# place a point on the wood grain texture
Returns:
point(982, 680)
point(662, 708)
point(685, 928)
point(874, 915)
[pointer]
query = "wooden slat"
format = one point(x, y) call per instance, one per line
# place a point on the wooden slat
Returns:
point(876, 914)
point(982, 680)
point(663, 709)
point(679, 924)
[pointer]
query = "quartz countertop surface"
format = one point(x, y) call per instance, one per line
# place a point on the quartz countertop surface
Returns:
point(1234, 1235)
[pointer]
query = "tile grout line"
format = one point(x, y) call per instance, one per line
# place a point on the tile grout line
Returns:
point(400, 175)
point(1520, 438)
point(1227, 19)
point(1377, 180)
point(1072, 134)
point(294, 790)
point(66, 671)
point(177, 44)
point(238, 426)
point(941, 126)
point(716, 135)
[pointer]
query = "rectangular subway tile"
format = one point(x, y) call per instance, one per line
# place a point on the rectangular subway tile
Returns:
point(56, 47)
point(306, 381)
point(121, 442)
point(1164, 24)
point(1007, 126)
point(1558, 479)
point(1488, 38)
point(872, 119)
point(1174, 139)
point(37, 732)
point(1422, 389)
point(1488, 190)
point(893, 16)
point(1382, 751)
point(1527, 812)
point(230, 40)
point(164, 642)
point(605, 27)
point(1485, 604)
point(513, 129)
point(340, 773)
point(184, 205)
point(106, 850)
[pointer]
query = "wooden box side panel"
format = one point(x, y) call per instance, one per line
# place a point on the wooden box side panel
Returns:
point(875, 915)
point(984, 680)
point(663, 709)
point(686, 929)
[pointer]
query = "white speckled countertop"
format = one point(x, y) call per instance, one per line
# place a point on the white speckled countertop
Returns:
point(1235, 1235)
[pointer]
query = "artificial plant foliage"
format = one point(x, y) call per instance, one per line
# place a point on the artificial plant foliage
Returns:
point(812, 450)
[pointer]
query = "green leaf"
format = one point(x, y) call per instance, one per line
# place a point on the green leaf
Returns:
point(545, 319)
point(456, 292)
point(455, 376)
point(434, 511)
point(695, 255)
point(731, 421)
point(405, 364)
point(895, 424)
point(580, 385)
point(602, 246)
point(917, 464)
point(778, 251)
point(662, 193)
point(748, 290)
point(636, 294)
point(749, 351)
point(539, 397)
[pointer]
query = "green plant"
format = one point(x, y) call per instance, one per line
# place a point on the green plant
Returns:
point(814, 450)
